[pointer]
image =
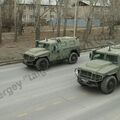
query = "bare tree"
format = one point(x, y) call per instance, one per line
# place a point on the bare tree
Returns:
point(59, 6)
point(37, 20)
point(19, 17)
point(87, 32)
point(50, 9)
point(77, 11)
point(15, 21)
point(0, 23)
point(66, 2)
point(8, 15)
point(114, 16)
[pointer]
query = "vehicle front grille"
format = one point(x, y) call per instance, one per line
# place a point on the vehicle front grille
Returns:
point(90, 75)
point(29, 58)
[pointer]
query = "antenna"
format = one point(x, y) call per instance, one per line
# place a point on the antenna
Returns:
point(46, 39)
point(109, 47)
point(109, 44)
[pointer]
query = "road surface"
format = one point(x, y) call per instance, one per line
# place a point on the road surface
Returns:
point(55, 94)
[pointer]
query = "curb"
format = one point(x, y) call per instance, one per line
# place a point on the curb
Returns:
point(11, 62)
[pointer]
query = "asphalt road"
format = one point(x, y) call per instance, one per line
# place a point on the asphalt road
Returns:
point(55, 94)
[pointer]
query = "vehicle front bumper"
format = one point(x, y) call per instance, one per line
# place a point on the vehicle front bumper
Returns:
point(87, 82)
point(26, 62)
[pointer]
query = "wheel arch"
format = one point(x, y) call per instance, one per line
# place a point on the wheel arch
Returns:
point(114, 75)
point(42, 57)
point(76, 51)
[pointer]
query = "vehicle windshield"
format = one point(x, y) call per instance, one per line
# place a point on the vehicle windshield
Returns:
point(101, 56)
point(98, 56)
point(43, 45)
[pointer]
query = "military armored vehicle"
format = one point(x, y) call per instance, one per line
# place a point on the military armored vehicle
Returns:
point(52, 50)
point(103, 71)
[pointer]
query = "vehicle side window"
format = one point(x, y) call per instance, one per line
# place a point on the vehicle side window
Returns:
point(112, 58)
point(54, 48)
point(98, 56)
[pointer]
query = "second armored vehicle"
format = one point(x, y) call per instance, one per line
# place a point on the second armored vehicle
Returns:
point(103, 71)
point(51, 50)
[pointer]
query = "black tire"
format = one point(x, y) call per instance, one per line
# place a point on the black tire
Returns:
point(73, 58)
point(42, 64)
point(108, 85)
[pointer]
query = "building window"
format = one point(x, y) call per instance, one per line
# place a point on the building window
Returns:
point(31, 16)
point(30, 7)
point(24, 16)
point(24, 7)
point(45, 8)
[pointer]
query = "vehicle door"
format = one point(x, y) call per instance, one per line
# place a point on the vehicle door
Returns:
point(55, 52)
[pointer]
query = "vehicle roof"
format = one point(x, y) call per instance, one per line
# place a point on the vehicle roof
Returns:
point(55, 40)
point(115, 50)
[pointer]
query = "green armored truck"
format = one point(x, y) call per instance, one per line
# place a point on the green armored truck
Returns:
point(52, 50)
point(103, 71)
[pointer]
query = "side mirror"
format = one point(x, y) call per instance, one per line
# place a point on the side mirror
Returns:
point(37, 43)
point(90, 55)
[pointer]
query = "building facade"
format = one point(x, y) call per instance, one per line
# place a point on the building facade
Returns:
point(47, 12)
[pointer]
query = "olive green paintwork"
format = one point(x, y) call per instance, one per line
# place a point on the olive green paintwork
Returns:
point(53, 49)
point(100, 67)
point(107, 65)
point(35, 52)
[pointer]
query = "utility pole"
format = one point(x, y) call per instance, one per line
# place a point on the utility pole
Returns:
point(0, 22)
point(75, 18)
point(15, 20)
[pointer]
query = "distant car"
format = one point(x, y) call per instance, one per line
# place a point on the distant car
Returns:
point(51, 50)
point(103, 71)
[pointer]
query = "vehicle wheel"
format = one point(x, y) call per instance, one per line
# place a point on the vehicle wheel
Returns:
point(73, 58)
point(42, 64)
point(108, 85)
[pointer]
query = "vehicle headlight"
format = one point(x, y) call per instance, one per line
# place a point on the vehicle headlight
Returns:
point(76, 72)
